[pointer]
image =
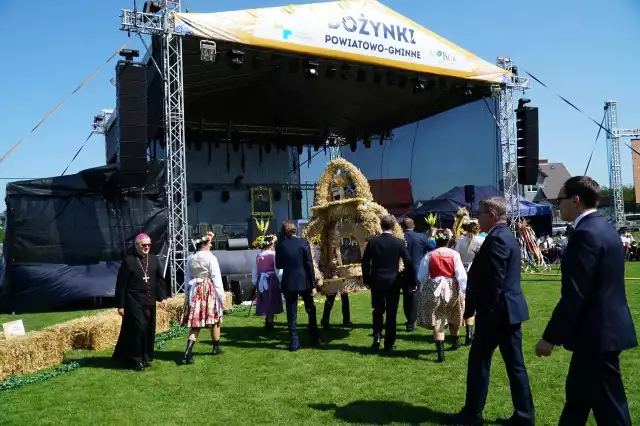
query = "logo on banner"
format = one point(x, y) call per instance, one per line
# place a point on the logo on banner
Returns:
point(291, 35)
point(443, 55)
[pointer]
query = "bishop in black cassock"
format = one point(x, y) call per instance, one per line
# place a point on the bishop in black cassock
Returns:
point(139, 286)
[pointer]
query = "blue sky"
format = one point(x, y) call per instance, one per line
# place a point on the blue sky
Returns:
point(581, 49)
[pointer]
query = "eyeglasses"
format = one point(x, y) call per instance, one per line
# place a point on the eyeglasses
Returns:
point(145, 245)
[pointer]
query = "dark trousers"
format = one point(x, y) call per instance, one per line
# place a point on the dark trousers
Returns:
point(385, 298)
point(410, 305)
point(291, 300)
point(328, 305)
point(594, 383)
point(508, 337)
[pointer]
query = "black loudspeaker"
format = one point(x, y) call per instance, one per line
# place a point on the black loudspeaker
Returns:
point(237, 244)
point(469, 193)
point(131, 95)
point(528, 145)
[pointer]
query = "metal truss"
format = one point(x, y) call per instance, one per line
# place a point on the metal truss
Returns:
point(101, 120)
point(508, 139)
point(162, 24)
point(615, 174)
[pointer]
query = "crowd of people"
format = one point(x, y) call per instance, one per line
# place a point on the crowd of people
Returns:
point(447, 281)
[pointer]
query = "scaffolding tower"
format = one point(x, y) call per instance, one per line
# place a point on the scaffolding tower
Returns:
point(508, 138)
point(615, 168)
point(161, 24)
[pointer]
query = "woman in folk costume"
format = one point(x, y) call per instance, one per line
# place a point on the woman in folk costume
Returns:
point(266, 278)
point(204, 296)
point(443, 281)
point(467, 246)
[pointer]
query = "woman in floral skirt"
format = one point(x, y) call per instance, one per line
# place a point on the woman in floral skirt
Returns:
point(204, 296)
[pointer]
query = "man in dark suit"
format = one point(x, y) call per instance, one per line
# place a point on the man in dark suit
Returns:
point(417, 247)
point(380, 272)
point(592, 318)
point(293, 256)
point(494, 294)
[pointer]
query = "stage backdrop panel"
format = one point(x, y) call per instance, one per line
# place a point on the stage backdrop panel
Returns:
point(456, 148)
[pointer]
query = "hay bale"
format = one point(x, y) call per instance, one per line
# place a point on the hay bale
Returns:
point(103, 330)
point(32, 352)
point(228, 300)
point(175, 306)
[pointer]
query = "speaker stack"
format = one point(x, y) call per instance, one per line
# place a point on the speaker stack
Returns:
point(131, 148)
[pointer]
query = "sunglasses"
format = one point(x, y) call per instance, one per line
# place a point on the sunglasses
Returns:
point(145, 245)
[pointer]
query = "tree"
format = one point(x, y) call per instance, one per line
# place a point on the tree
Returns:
point(628, 193)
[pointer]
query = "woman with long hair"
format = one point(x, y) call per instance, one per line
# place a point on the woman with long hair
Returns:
point(266, 278)
point(443, 281)
point(468, 246)
point(204, 296)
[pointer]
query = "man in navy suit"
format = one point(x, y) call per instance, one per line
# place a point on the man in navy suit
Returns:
point(417, 247)
point(380, 272)
point(592, 318)
point(495, 295)
point(293, 256)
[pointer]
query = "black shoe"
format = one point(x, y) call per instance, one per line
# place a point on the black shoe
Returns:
point(390, 349)
point(216, 349)
point(410, 327)
point(375, 347)
point(188, 353)
point(138, 367)
point(456, 343)
point(269, 326)
point(469, 337)
point(510, 421)
point(146, 364)
point(440, 350)
point(463, 419)
point(347, 324)
point(294, 347)
point(325, 325)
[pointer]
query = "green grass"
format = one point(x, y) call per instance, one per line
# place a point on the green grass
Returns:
point(257, 381)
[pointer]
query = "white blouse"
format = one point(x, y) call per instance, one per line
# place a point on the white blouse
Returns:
point(202, 265)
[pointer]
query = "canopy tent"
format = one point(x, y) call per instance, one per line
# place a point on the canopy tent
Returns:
point(294, 75)
point(363, 31)
point(447, 204)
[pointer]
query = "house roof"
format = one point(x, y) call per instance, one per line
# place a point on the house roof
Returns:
point(556, 175)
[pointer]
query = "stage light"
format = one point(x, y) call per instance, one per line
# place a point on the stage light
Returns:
point(300, 149)
point(276, 61)
point(197, 196)
point(443, 84)
point(377, 77)
point(331, 71)
point(522, 102)
point(316, 146)
point(312, 69)
point(237, 58)
point(267, 147)
point(225, 196)
point(367, 142)
point(152, 7)
point(391, 78)
point(362, 75)
point(468, 90)
point(277, 195)
point(421, 84)
point(353, 143)
point(496, 91)
point(402, 81)
point(345, 71)
point(514, 70)
point(112, 80)
point(297, 195)
point(129, 54)
point(257, 62)
point(236, 145)
point(208, 50)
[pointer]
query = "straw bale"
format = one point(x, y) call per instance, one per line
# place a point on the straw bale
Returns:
point(33, 352)
point(46, 348)
point(350, 271)
point(228, 300)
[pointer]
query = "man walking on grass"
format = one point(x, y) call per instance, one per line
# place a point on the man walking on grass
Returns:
point(592, 318)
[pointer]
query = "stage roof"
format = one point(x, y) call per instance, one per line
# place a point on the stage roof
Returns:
point(389, 72)
point(364, 31)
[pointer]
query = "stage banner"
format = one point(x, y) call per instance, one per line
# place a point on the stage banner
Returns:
point(364, 31)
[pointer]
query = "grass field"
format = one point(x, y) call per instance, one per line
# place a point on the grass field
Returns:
point(257, 381)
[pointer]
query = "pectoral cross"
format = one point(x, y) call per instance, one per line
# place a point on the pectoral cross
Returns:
point(146, 278)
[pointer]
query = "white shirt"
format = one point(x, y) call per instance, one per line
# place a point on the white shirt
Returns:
point(201, 264)
point(468, 248)
point(579, 218)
